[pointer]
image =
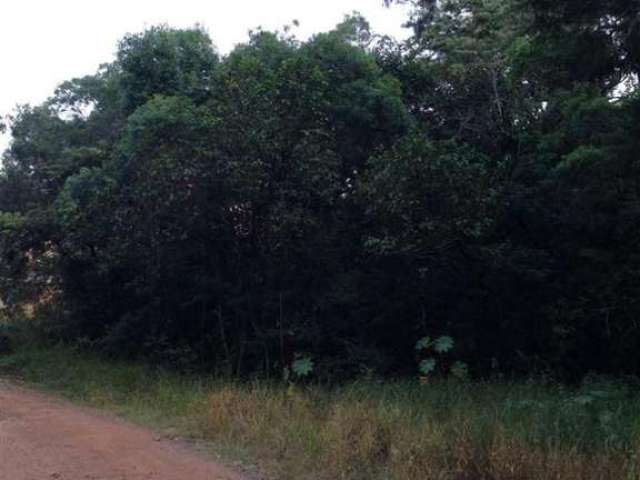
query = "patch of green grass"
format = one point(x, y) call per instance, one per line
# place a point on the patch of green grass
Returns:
point(138, 392)
point(366, 430)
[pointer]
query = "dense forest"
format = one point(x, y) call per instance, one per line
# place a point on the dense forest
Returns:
point(341, 198)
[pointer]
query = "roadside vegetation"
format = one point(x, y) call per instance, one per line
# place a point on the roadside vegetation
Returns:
point(366, 429)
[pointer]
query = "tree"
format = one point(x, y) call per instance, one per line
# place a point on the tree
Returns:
point(342, 197)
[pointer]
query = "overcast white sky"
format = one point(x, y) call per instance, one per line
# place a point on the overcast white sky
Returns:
point(44, 42)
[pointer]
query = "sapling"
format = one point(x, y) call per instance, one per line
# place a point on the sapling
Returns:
point(437, 347)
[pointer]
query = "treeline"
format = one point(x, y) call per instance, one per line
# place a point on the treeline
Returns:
point(342, 197)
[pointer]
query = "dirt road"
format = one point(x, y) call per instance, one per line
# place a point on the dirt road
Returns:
point(44, 439)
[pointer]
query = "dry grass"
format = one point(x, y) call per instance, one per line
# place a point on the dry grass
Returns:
point(345, 435)
point(364, 430)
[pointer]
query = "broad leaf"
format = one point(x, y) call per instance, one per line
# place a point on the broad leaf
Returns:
point(427, 366)
point(443, 344)
point(424, 343)
point(302, 366)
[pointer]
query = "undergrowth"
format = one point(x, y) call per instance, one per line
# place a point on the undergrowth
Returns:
point(366, 430)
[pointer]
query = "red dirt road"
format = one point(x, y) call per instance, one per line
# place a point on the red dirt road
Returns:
point(43, 439)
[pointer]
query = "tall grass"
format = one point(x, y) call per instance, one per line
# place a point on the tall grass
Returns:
point(368, 430)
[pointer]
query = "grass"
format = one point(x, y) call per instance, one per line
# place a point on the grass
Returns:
point(367, 430)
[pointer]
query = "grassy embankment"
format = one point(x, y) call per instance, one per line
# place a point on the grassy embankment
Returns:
point(366, 430)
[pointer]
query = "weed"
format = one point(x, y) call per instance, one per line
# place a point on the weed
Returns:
point(365, 430)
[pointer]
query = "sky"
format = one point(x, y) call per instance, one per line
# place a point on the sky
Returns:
point(44, 42)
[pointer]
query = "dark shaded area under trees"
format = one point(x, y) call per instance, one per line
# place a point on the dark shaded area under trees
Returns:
point(344, 196)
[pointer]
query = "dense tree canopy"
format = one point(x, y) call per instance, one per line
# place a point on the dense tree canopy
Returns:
point(343, 197)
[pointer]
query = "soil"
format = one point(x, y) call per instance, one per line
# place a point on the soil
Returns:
point(42, 438)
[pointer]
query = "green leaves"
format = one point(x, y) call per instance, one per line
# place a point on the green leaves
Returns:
point(165, 61)
point(424, 343)
point(443, 344)
point(440, 345)
point(302, 367)
point(427, 366)
point(10, 221)
point(339, 194)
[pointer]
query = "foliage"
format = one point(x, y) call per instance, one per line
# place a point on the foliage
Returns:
point(440, 345)
point(302, 366)
point(533, 429)
point(341, 195)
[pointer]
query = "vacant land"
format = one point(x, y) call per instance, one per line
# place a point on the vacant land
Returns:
point(366, 430)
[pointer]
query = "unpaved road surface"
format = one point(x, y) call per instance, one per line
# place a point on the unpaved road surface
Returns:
point(43, 439)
